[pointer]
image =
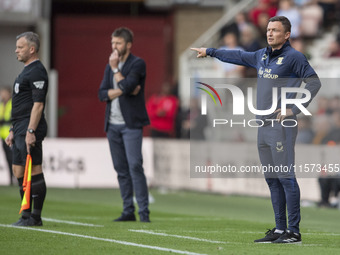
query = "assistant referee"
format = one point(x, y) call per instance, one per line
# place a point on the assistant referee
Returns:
point(29, 126)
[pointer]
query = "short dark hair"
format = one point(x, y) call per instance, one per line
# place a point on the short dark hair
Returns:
point(32, 39)
point(284, 21)
point(124, 33)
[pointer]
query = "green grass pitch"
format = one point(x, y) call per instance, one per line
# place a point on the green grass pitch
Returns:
point(182, 223)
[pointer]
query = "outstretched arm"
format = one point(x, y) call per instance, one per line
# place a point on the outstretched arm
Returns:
point(237, 57)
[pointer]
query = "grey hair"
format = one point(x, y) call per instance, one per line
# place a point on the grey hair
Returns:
point(32, 39)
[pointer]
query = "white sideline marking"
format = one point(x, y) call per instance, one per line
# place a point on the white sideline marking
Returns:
point(186, 219)
point(322, 234)
point(72, 222)
point(178, 236)
point(105, 240)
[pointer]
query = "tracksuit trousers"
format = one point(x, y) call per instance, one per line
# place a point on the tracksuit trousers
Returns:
point(276, 150)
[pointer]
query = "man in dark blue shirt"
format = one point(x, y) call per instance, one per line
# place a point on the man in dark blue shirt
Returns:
point(122, 88)
point(278, 65)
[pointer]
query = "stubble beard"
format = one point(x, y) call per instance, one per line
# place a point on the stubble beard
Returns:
point(122, 53)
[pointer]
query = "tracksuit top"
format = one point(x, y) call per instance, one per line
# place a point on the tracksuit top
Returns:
point(285, 67)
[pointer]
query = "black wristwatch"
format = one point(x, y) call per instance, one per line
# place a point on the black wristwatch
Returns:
point(31, 131)
point(116, 70)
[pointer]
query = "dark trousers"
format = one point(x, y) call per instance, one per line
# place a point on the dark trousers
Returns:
point(276, 148)
point(328, 184)
point(126, 153)
point(8, 154)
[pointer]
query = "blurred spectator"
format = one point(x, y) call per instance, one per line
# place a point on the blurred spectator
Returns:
point(274, 3)
point(230, 70)
point(5, 124)
point(289, 10)
point(305, 132)
point(311, 19)
point(241, 21)
point(322, 105)
point(299, 45)
point(328, 185)
point(321, 128)
point(333, 105)
point(263, 19)
point(329, 8)
point(337, 13)
point(237, 26)
point(333, 49)
point(301, 3)
point(162, 109)
point(333, 137)
point(264, 7)
point(194, 123)
point(249, 40)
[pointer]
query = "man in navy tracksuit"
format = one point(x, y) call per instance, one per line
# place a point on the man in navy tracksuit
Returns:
point(278, 65)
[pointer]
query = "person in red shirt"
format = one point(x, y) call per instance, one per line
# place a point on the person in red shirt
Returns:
point(264, 7)
point(162, 109)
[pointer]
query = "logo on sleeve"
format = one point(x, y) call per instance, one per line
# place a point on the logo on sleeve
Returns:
point(39, 84)
point(16, 88)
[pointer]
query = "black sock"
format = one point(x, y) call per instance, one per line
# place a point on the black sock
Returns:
point(25, 213)
point(38, 194)
point(20, 181)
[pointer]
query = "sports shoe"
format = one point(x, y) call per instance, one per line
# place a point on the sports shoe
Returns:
point(270, 237)
point(32, 222)
point(126, 217)
point(289, 237)
point(20, 222)
point(144, 218)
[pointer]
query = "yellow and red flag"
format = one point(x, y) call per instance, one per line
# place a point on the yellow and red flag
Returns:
point(26, 201)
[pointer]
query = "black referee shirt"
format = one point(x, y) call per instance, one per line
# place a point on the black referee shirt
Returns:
point(29, 87)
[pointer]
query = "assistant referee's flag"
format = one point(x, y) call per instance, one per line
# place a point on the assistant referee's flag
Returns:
point(26, 201)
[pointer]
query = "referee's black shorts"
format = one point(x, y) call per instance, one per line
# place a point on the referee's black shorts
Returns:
point(19, 149)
